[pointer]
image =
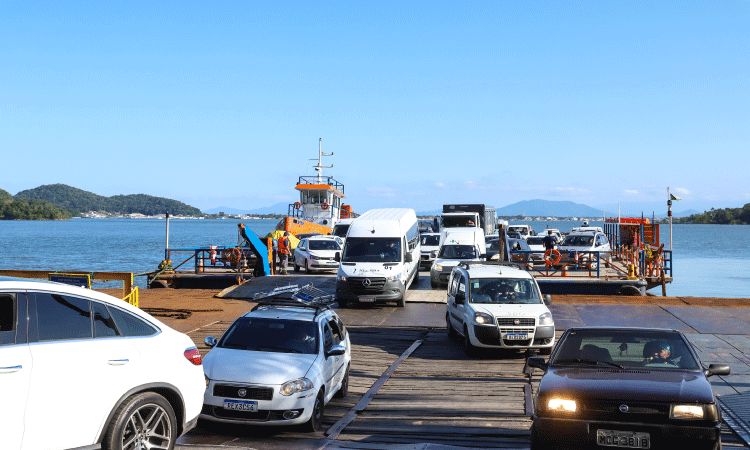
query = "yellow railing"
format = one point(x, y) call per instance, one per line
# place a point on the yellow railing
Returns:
point(132, 298)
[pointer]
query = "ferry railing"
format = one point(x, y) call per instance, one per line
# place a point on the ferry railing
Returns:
point(588, 262)
point(313, 179)
point(224, 257)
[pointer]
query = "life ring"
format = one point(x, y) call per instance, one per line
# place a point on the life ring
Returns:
point(297, 205)
point(324, 205)
point(552, 257)
point(233, 254)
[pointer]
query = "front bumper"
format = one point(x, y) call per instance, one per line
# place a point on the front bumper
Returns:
point(380, 290)
point(320, 264)
point(576, 433)
point(493, 336)
point(270, 412)
point(440, 277)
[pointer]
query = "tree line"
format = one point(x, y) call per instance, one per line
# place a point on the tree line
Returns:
point(726, 216)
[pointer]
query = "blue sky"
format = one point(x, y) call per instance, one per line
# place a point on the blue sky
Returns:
point(422, 103)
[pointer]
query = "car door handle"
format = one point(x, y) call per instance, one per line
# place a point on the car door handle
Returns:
point(118, 362)
point(10, 369)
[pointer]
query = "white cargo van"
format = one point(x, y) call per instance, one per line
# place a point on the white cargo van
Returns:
point(380, 258)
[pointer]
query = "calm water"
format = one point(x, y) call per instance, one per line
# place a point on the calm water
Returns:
point(709, 260)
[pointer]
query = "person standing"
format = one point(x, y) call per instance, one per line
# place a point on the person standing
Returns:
point(549, 241)
point(284, 252)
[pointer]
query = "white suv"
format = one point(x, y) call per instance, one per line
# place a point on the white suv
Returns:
point(279, 364)
point(82, 369)
point(497, 305)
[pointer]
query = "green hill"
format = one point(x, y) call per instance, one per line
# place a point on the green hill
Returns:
point(79, 201)
point(29, 209)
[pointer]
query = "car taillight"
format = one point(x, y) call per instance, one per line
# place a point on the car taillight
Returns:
point(194, 356)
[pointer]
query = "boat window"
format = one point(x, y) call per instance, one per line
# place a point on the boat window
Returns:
point(372, 250)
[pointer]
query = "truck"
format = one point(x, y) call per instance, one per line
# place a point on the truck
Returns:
point(481, 216)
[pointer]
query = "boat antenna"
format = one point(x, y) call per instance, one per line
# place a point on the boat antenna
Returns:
point(318, 167)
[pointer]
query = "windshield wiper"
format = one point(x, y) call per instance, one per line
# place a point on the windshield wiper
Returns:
point(593, 362)
point(237, 346)
point(281, 349)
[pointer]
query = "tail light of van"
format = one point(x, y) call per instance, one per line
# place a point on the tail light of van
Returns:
point(194, 356)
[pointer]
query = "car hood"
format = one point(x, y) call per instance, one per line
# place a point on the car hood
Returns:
point(512, 310)
point(267, 368)
point(324, 253)
point(631, 384)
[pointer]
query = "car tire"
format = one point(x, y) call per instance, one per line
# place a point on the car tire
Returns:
point(433, 284)
point(344, 389)
point(133, 412)
point(402, 301)
point(296, 266)
point(451, 331)
point(308, 270)
point(469, 348)
point(536, 441)
point(415, 281)
point(342, 303)
point(316, 420)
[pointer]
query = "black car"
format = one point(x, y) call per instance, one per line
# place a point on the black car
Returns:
point(625, 387)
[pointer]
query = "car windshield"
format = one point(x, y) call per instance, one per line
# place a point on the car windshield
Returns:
point(430, 240)
point(340, 230)
point(520, 230)
point(457, 252)
point(271, 335)
point(503, 290)
point(625, 348)
point(578, 241)
point(372, 250)
point(493, 245)
point(457, 221)
point(327, 244)
point(534, 241)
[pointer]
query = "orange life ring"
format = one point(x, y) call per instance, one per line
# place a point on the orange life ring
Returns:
point(324, 205)
point(233, 254)
point(297, 205)
point(552, 257)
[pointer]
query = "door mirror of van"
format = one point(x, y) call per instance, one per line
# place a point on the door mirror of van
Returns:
point(337, 257)
point(547, 299)
point(408, 258)
point(460, 298)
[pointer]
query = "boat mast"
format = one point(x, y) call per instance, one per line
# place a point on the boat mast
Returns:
point(319, 167)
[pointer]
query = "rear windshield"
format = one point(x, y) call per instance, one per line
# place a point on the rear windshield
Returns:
point(505, 290)
point(430, 240)
point(340, 230)
point(327, 244)
point(458, 252)
point(578, 241)
point(636, 348)
point(372, 250)
point(534, 241)
point(271, 335)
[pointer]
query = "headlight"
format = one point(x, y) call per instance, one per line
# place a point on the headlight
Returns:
point(298, 385)
point(483, 318)
point(679, 411)
point(561, 405)
point(546, 319)
point(314, 257)
point(394, 278)
point(207, 381)
point(437, 267)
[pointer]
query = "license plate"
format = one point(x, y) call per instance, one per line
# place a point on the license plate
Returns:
point(367, 299)
point(626, 439)
point(516, 336)
point(241, 405)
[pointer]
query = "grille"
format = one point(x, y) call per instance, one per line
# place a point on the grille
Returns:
point(516, 343)
point(508, 322)
point(425, 257)
point(355, 285)
point(517, 330)
point(253, 393)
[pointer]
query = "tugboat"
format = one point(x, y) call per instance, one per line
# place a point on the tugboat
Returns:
point(320, 203)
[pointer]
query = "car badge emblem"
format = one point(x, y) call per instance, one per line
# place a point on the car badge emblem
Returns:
point(624, 408)
point(516, 322)
point(366, 282)
point(242, 392)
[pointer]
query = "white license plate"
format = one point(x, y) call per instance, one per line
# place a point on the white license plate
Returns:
point(516, 336)
point(367, 299)
point(241, 405)
point(626, 439)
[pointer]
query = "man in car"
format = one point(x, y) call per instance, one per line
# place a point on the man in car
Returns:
point(662, 353)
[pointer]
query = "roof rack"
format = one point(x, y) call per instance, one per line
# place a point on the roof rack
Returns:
point(307, 296)
point(467, 264)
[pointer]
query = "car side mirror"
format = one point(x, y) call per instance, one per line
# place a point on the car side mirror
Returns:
point(210, 341)
point(336, 350)
point(547, 299)
point(717, 369)
point(408, 257)
point(460, 298)
point(483, 256)
point(537, 362)
point(337, 257)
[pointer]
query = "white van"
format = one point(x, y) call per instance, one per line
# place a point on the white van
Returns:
point(341, 228)
point(380, 258)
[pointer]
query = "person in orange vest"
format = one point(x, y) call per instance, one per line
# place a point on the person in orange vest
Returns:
point(284, 252)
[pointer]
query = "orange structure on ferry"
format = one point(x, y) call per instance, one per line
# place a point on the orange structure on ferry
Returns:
point(320, 203)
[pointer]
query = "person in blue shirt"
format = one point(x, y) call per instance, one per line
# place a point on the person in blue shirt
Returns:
point(549, 241)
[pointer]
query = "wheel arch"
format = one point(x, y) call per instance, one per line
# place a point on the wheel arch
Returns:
point(166, 390)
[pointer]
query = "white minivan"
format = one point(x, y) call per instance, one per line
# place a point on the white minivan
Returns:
point(380, 258)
